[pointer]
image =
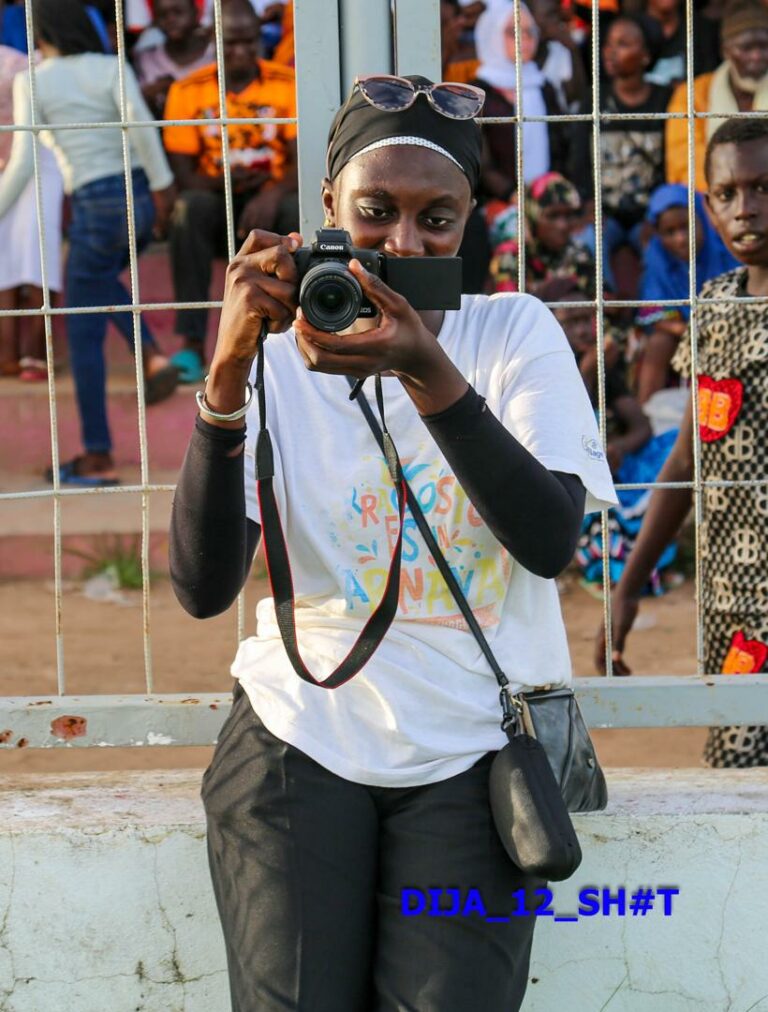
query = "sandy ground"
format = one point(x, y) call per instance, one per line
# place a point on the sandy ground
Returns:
point(103, 653)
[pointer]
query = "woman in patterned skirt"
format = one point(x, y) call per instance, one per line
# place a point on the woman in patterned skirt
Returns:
point(733, 420)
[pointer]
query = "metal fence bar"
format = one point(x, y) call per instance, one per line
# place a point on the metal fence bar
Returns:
point(229, 214)
point(519, 166)
point(49, 493)
point(693, 330)
point(45, 309)
point(138, 348)
point(600, 319)
point(581, 304)
point(565, 117)
point(195, 718)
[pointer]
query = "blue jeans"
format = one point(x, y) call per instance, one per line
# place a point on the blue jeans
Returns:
point(614, 235)
point(98, 252)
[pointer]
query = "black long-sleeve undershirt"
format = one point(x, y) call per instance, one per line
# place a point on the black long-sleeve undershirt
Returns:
point(534, 513)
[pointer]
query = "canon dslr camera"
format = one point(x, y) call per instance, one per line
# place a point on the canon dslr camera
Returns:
point(331, 298)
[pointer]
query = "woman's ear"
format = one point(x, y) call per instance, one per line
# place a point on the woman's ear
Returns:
point(328, 204)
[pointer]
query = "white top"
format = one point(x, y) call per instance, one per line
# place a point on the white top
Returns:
point(426, 706)
point(82, 89)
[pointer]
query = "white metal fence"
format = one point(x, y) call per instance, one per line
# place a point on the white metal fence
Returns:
point(336, 39)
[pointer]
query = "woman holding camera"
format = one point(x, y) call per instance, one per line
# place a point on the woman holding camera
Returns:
point(326, 806)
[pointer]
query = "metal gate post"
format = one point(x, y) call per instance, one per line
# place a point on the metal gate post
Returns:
point(366, 39)
point(417, 38)
point(318, 58)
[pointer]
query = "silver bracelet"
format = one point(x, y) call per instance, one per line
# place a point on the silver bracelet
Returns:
point(234, 415)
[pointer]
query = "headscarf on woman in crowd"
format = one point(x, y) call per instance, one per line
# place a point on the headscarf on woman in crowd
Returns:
point(666, 276)
point(551, 205)
point(499, 70)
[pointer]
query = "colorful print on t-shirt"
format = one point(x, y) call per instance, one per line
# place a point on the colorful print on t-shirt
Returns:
point(371, 524)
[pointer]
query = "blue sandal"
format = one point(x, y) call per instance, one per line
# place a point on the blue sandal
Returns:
point(68, 476)
point(189, 365)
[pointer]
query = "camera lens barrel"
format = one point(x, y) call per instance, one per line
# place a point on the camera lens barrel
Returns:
point(330, 297)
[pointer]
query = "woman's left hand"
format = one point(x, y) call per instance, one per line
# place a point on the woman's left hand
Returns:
point(398, 343)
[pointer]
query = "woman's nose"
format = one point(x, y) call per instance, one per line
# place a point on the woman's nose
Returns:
point(405, 240)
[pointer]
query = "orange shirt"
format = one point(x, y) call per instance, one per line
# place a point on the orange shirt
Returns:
point(252, 145)
point(676, 133)
point(461, 71)
point(286, 48)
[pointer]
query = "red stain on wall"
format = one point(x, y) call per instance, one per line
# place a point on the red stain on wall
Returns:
point(67, 727)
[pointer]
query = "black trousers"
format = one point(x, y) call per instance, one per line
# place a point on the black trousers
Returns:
point(308, 871)
point(198, 235)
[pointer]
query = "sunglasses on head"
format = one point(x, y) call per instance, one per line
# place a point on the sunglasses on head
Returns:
point(394, 94)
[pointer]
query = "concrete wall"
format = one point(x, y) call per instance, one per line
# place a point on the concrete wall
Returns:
point(105, 902)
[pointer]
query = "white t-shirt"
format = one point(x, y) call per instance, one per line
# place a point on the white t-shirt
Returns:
point(425, 707)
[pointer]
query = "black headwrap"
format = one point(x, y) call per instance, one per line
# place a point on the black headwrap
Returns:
point(358, 124)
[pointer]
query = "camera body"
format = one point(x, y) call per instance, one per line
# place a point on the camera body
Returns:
point(331, 298)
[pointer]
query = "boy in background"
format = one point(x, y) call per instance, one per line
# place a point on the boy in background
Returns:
point(733, 422)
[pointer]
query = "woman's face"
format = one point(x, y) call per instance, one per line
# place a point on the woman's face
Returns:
point(672, 230)
point(554, 226)
point(403, 200)
point(528, 37)
point(624, 52)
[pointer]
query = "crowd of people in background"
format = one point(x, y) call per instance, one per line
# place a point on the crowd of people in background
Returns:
point(537, 231)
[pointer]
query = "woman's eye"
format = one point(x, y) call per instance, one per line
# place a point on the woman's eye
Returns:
point(377, 213)
point(438, 221)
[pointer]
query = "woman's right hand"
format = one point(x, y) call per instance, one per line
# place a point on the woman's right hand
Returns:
point(260, 285)
point(624, 611)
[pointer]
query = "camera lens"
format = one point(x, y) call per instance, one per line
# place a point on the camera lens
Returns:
point(330, 297)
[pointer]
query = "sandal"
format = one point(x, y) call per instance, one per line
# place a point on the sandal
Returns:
point(161, 384)
point(68, 476)
point(189, 364)
point(33, 370)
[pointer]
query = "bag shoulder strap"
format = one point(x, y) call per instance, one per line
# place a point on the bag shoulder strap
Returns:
point(432, 545)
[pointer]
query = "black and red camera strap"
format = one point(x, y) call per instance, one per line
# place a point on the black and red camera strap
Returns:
point(278, 563)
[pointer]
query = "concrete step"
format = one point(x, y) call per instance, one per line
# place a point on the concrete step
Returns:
point(24, 407)
point(94, 528)
point(25, 450)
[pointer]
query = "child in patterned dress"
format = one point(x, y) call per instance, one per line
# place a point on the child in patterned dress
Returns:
point(733, 422)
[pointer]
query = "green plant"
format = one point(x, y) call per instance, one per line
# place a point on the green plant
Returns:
point(116, 553)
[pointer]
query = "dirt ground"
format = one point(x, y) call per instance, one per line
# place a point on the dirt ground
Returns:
point(103, 653)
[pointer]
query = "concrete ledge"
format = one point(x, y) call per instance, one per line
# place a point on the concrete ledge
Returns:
point(105, 900)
